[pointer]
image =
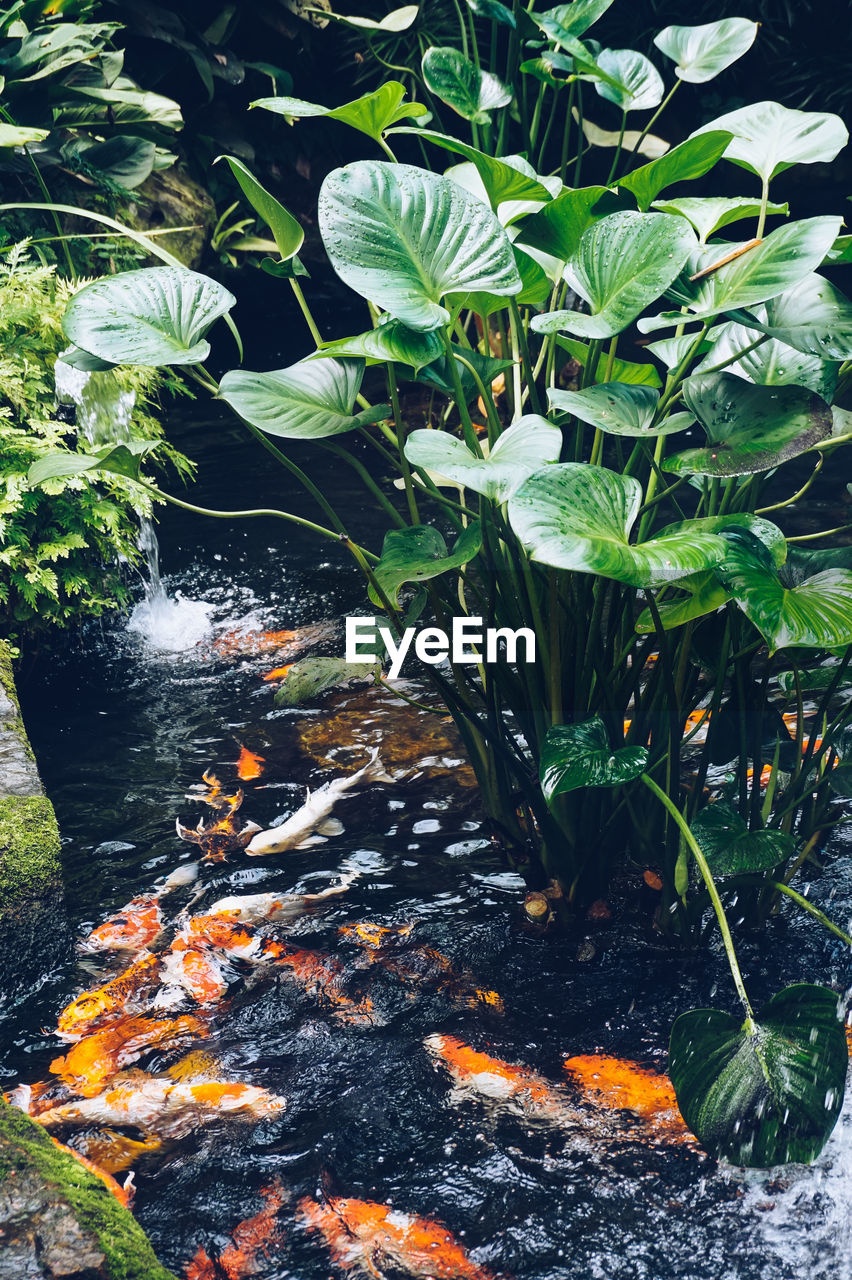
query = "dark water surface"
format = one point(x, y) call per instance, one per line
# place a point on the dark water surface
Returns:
point(122, 732)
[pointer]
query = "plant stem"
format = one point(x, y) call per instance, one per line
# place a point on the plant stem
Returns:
point(812, 910)
point(306, 311)
point(654, 118)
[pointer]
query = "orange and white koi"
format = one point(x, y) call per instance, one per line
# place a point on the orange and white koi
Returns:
point(254, 1238)
point(149, 1102)
point(111, 1151)
point(126, 993)
point(134, 927)
point(256, 907)
point(231, 936)
point(516, 1089)
point(303, 827)
point(620, 1085)
point(192, 970)
point(367, 1235)
point(98, 1057)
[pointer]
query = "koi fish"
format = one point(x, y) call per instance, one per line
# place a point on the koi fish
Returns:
point(321, 976)
point(249, 765)
point(135, 927)
point(301, 829)
point(98, 1057)
point(158, 1101)
point(516, 1089)
point(122, 994)
point(179, 878)
point(226, 833)
point(123, 1194)
point(193, 970)
point(255, 1237)
point(112, 1151)
point(621, 1085)
point(228, 934)
point(364, 1234)
point(420, 964)
point(235, 643)
point(255, 907)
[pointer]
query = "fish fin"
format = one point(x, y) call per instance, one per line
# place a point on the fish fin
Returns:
point(185, 833)
point(303, 844)
point(331, 827)
point(375, 771)
point(252, 827)
point(20, 1097)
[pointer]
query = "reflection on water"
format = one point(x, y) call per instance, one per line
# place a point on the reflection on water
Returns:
point(123, 732)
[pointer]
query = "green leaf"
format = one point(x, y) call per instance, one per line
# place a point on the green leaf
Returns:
point(817, 614)
point(398, 20)
point(622, 370)
point(813, 679)
point(117, 107)
point(468, 90)
point(287, 232)
point(391, 341)
point(371, 114)
point(125, 160)
point(493, 10)
point(76, 358)
point(621, 409)
point(155, 316)
point(731, 849)
point(769, 138)
point(813, 316)
point(420, 552)
point(762, 1093)
point(579, 755)
point(307, 401)
point(567, 21)
point(310, 677)
point(403, 238)
point(502, 179)
point(704, 594)
point(120, 459)
point(710, 213)
point(692, 159)
point(750, 428)
point(773, 363)
point(624, 263)
point(701, 53)
point(440, 375)
point(579, 517)
point(643, 85)
point(13, 135)
point(530, 443)
point(558, 227)
point(577, 61)
point(778, 263)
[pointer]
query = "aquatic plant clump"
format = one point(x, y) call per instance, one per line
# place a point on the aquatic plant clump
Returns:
point(628, 509)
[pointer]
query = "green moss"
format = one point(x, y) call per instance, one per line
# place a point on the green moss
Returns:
point(29, 848)
point(25, 1145)
point(7, 677)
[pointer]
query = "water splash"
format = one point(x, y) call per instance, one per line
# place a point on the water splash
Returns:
point(103, 411)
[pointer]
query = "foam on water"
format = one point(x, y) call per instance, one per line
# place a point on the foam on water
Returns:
point(171, 625)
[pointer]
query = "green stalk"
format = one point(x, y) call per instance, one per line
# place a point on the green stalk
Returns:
point(306, 311)
point(654, 118)
point(618, 147)
point(461, 403)
point(812, 910)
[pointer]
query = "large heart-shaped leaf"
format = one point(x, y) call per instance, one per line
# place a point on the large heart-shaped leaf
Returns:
point(641, 375)
point(306, 401)
point(397, 20)
point(623, 263)
point(642, 83)
point(765, 1092)
point(749, 428)
point(392, 341)
point(568, 21)
point(731, 849)
point(371, 114)
point(701, 53)
point(576, 516)
point(123, 160)
point(120, 459)
point(692, 159)
point(13, 135)
point(440, 374)
point(530, 443)
point(816, 614)
point(420, 552)
point(710, 213)
point(781, 261)
point(579, 755)
point(558, 227)
point(769, 138)
point(773, 363)
point(494, 10)
point(286, 231)
point(468, 90)
point(813, 316)
point(619, 408)
point(156, 316)
point(510, 178)
point(403, 238)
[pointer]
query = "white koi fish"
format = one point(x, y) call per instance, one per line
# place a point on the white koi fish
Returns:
point(254, 907)
point(301, 829)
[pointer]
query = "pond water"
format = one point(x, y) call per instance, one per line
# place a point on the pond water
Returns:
point(124, 730)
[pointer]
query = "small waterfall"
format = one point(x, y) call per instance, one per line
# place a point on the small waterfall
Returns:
point(103, 412)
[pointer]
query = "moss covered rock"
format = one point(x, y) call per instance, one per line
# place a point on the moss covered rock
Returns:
point(58, 1219)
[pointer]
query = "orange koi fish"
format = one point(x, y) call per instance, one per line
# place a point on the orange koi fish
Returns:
point(230, 935)
point(321, 976)
point(147, 1102)
point(123, 1194)
point(122, 994)
point(420, 964)
point(136, 926)
point(200, 974)
point(279, 673)
point(97, 1057)
point(113, 1151)
point(517, 1089)
point(227, 833)
point(255, 1237)
point(361, 1233)
point(250, 765)
point(620, 1085)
